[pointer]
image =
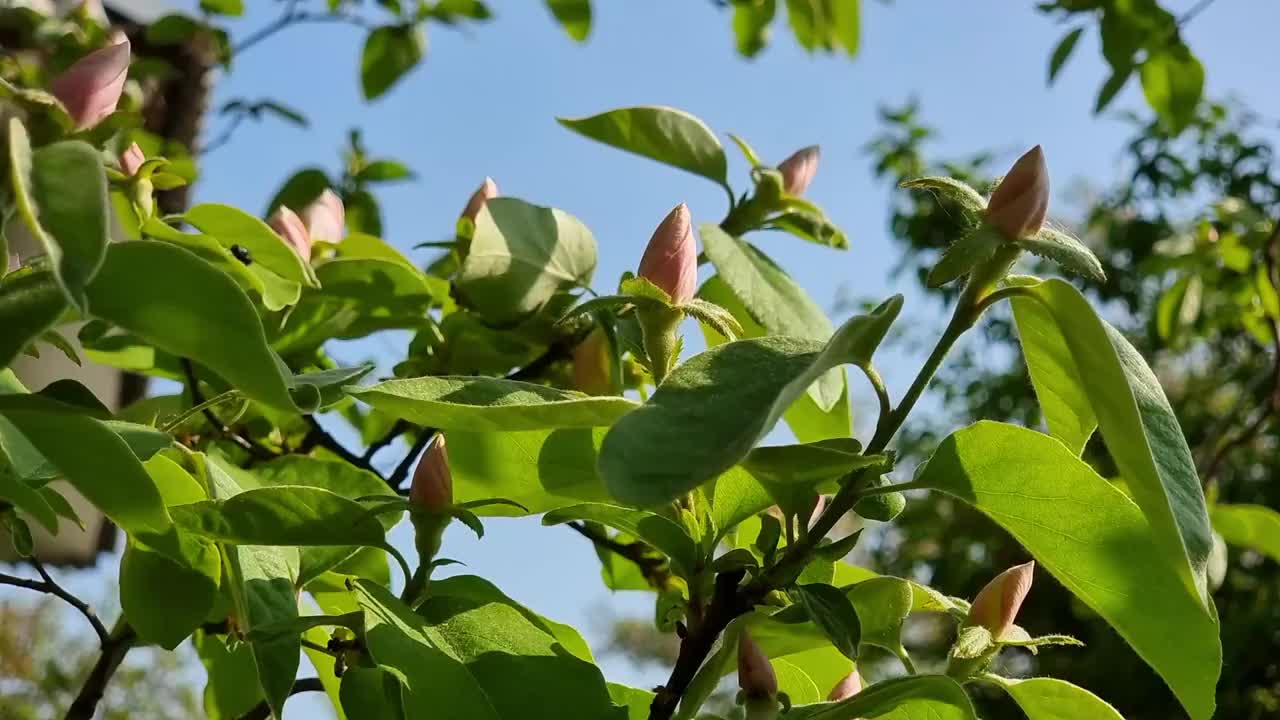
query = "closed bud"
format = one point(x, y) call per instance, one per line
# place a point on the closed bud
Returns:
point(290, 227)
point(755, 673)
point(432, 487)
point(848, 687)
point(487, 191)
point(799, 169)
point(325, 218)
point(671, 259)
point(91, 88)
point(1019, 203)
point(592, 366)
point(131, 159)
point(997, 604)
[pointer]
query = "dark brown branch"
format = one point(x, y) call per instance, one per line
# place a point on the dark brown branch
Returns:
point(116, 647)
point(398, 428)
point(654, 569)
point(49, 586)
point(262, 711)
point(561, 349)
point(258, 452)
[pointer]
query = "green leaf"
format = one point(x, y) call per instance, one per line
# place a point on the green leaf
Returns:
point(1256, 527)
point(232, 687)
point(712, 410)
point(1139, 427)
point(1093, 539)
point(232, 226)
point(1054, 375)
point(736, 496)
point(521, 256)
point(672, 137)
point(263, 581)
point(1173, 81)
point(807, 421)
point(814, 227)
point(919, 697)
point(234, 8)
point(26, 498)
point(771, 298)
point(332, 384)
point(923, 597)
point(963, 255)
point(300, 190)
point(574, 16)
point(185, 307)
point(389, 53)
point(540, 469)
point(472, 650)
point(954, 191)
point(846, 24)
point(282, 515)
point(1112, 87)
point(384, 171)
point(882, 604)
point(371, 693)
point(636, 701)
point(1065, 250)
point(1062, 51)
point(478, 404)
point(276, 292)
point(832, 611)
point(1050, 699)
point(30, 304)
point(751, 26)
point(61, 194)
point(658, 531)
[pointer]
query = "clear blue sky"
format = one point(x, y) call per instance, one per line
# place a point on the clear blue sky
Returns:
point(484, 103)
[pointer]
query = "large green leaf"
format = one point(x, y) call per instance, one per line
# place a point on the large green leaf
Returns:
point(282, 515)
point(658, 531)
point(574, 16)
point(1093, 539)
point(712, 410)
point(233, 226)
point(882, 604)
point(1173, 81)
point(772, 299)
point(808, 422)
point(390, 52)
point(1256, 527)
point(185, 307)
point(540, 469)
point(1139, 427)
point(833, 612)
point(470, 652)
point(521, 256)
point(919, 697)
point(231, 689)
point(29, 305)
point(61, 194)
point(479, 404)
point(672, 137)
point(1050, 699)
point(1054, 375)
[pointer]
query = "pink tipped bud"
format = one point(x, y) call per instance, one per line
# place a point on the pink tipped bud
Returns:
point(325, 218)
point(131, 159)
point(432, 487)
point(92, 86)
point(848, 687)
point(290, 227)
point(671, 259)
point(755, 673)
point(1019, 203)
point(799, 169)
point(997, 604)
point(487, 191)
point(592, 366)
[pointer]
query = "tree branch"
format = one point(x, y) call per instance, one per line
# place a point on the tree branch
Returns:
point(255, 450)
point(654, 569)
point(49, 586)
point(398, 428)
point(262, 710)
point(114, 649)
point(293, 16)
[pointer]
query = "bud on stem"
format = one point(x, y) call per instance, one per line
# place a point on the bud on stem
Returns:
point(1018, 204)
point(798, 170)
point(996, 605)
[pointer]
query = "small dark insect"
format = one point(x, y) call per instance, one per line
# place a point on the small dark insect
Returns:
point(242, 254)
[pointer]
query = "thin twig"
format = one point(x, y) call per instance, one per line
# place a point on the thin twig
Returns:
point(48, 586)
point(1193, 11)
point(293, 16)
point(113, 652)
point(258, 452)
point(398, 428)
point(262, 710)
point(652, 568)
point(225, 136)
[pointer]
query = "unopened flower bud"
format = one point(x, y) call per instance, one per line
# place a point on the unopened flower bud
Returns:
point(325, 218)
point(755, 673)
point(432, 487)
point(91, 88)
point(799, 169)
point(131, 159)
point(671, 259)
point(997, 604)
point(848, 687)
point(592, 366)
point(290, 227)
point(487, 191)
point(1019, 203)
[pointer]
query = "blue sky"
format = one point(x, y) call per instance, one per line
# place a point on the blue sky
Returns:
point(485, 101)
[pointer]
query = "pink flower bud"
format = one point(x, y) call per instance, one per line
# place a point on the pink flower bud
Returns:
point(432, 487)
point(848, 687)
point(799, 169)
point(290, 227)
point(592, 365)
point(671, 259)
point(91, 87)
point(1019, 203)
point(486, 192)
point(997, 604)
point(131, 159)
point(325, 218)
point(755, 673)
